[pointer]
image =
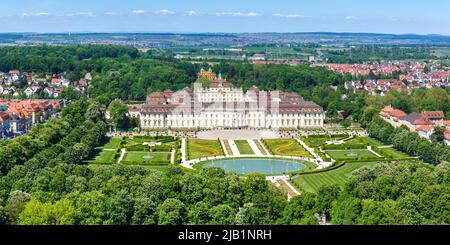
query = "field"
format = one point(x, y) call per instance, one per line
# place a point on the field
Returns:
point(350, 154)
point(244, 147)
point(391, 153)
point(198, 148)
point(105, 154)
point(112, 143)
point(312, 182)
point(146, 158)
point(286, 147)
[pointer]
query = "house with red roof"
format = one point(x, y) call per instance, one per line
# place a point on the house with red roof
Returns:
point(425, 131)
point(446, 124)
point(393, 116)
point(415, 120)
point(435, 116)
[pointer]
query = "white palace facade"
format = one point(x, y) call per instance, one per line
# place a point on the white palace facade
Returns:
point(221, 106)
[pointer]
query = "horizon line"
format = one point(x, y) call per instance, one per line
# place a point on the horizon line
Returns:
point(262, 32)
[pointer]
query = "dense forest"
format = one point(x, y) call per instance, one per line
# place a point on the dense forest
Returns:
point(44, 179)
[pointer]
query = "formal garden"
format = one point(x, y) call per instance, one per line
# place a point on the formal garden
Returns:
point(107, 153)
point(152, 151)
point(313, 182)
point(349, 154)
point(286, 147)
point(244, 147)
point(199, 148)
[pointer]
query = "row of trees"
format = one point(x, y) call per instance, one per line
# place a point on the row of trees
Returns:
point(407, 193)
point(119, 194)
point(403, 139)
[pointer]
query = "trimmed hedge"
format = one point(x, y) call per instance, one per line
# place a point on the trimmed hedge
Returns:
point(146, 163)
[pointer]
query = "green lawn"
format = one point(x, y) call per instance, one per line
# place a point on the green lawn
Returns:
point(112, 143)
point(244, 147)
point(391, 153)
point(198, 148)
point(312, 182)
point(102, 156)
point(371, 141)
point(146, 157)
point(350, 154)
point(286, 147)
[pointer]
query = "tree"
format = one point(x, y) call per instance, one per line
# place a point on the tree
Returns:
point(90, 208)
point(16, 203)
point(38, 213)
point(95, 111)
point(378, 213)
point(63, 212)
point(171, 212)
point(438, 134)
point(300, 210)
point(326, 195)
point(199, 213)
point(119, 209)
point(118, 113)
point(222, 215)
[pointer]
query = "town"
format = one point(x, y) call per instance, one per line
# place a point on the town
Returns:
point(423, 123)
point(379, 78)
point(17, 117)
point(17, 84)
point(224, 113)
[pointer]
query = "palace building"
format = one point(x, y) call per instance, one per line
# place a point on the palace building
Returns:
point(222, 106)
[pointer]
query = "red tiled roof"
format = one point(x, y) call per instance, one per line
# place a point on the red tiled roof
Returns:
point(424, 128)
point(447, 135)
point(433, 114)
point(397, 113)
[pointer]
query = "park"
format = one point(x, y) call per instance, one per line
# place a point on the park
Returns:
point(302, 162)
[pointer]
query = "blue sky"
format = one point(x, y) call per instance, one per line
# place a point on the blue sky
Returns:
point(380, 16)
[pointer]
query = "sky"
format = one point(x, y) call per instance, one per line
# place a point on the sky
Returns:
point(195, 16)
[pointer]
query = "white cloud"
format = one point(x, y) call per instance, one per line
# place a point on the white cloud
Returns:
point(350, 17)
point(290, 16)
point(88, 14)
point(111, 13)
point(85, 14)
point(164, 11)
point(138, 11)
point(191, 13)
point(35, 14)
point(249, 14)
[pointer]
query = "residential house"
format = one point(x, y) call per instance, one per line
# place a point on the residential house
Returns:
point(4, 124)
point(435, 116)
point(425, 131)
point(414, 120)
point(446, 124)
point(392, 115)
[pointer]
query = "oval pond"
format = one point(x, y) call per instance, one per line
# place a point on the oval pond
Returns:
point(263, 166)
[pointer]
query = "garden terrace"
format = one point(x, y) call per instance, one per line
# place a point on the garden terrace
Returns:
point(313, 182)
point(286, 147)
point(244, 147)
point(260, 148)
point(198, 148)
